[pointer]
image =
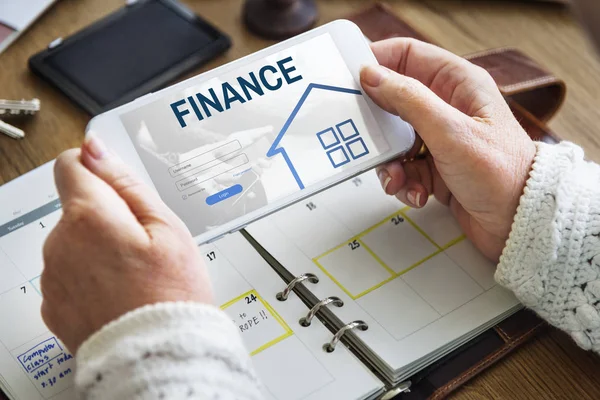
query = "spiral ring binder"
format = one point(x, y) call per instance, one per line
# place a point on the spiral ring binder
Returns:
point(336, 301)
point(283, 295)
point(358, 324)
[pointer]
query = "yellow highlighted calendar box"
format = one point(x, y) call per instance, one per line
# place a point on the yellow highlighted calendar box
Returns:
point(259, 324)
point(437, 222)
point(379, 254)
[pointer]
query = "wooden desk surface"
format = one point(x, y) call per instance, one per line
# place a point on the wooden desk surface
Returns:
point(551, 366)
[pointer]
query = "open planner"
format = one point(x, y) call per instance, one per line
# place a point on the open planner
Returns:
point(344, 295)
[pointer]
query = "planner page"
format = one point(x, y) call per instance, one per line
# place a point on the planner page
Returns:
point(289, 358)
point(34, 364)
point(409, 273)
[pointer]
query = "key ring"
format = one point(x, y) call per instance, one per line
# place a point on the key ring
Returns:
point(361, 325)
point(283, 295)
point(305, 321)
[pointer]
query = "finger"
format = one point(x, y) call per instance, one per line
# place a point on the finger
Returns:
point(143, 202)
point(420, 171)
point(73, 180)
point(391, 177)
point(76, 185)
point(432, 117)
point(424, 172)
point(419, 185)
point(438, 69)
point(83, 194)
point(407, 182)
point(415, 192)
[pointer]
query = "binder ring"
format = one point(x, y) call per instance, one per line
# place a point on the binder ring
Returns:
point(312, 278)
point(361, 325)
point(336, 301)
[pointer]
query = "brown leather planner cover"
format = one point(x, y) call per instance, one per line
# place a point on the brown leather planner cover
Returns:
point(534, 95)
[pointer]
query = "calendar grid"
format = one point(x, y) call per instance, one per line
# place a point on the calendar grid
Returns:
point(376, 257)
point(358, 239)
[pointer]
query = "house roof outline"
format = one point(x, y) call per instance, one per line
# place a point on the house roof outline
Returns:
point(274, 149)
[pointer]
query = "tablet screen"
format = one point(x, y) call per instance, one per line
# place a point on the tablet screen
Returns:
point(110, 62)
point(224, 147)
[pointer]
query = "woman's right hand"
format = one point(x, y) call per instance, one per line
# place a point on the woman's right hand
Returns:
point(480, 157)
point(117, 248)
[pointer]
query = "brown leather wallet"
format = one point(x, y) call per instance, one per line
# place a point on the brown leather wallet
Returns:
point(534, 95)
point(523, 80)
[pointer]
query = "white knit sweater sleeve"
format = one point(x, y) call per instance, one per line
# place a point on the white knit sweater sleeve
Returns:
point(167, 351)
point(552, 257)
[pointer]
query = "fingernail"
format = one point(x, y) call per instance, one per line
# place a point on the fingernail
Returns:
point(96, 147)
point(374, 74)
point(384, 178)
point(414, 198)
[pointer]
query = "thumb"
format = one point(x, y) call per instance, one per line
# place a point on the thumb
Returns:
point(415, 103)
point(143, 202)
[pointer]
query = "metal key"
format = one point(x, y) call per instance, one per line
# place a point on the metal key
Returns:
point(11, 131)
point(19, 107)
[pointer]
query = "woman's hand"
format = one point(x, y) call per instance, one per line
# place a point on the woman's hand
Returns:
point(480, 157)
point(117, 247)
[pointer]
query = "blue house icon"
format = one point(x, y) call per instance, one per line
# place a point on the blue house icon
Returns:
point(342, 141)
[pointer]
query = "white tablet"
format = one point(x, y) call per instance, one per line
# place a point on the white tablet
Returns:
point(237, 143)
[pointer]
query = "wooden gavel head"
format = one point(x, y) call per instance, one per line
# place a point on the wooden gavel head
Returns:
point(279, 19)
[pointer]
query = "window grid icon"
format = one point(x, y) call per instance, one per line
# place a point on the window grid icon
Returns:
point(328, 138)
point(338, 156)
point(347, 130)
point(357, 148)
point(342, 144)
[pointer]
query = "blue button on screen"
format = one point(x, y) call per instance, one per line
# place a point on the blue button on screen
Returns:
point(224, 194)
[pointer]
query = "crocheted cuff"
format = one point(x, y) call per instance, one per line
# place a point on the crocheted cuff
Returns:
point(552, 258)
point(184, 349)
point(162, 316)
point(532, 234)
